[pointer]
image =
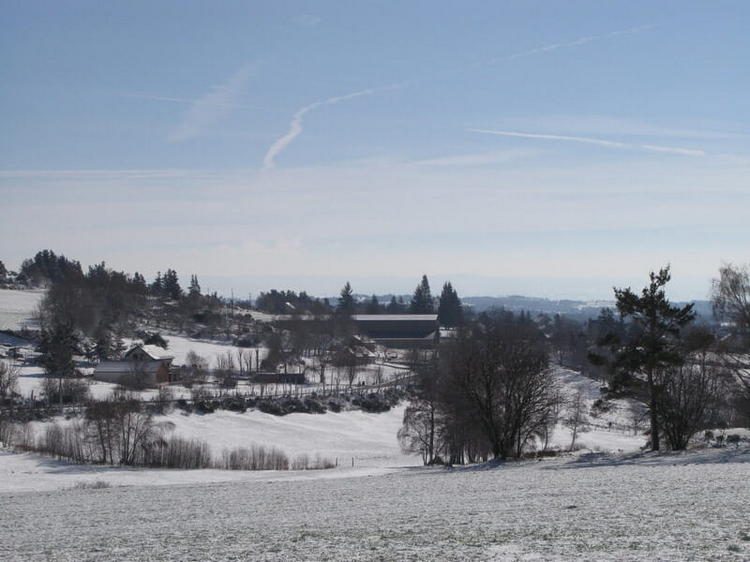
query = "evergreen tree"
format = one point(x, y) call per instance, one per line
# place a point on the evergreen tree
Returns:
point(373, 307)
point(195, 289)
point(3, 271)
point(450, 311)
point(57, 347)
point(651, 344)
point(171, 285)
point(421, 301)
point(157, 287)
point(346, 304)
point(393, 307)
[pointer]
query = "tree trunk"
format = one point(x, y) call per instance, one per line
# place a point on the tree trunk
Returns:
point(653, 413)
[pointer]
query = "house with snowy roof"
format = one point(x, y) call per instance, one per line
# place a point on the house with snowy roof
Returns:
point(141, 366)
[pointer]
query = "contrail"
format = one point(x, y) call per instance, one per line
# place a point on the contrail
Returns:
point(295, 127)
point(590, 140)
point(574, 43)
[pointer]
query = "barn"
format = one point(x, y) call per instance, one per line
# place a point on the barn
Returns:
point(405, 331)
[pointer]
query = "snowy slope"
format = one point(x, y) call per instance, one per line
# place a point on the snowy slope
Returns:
point(17, 308)
point(673, 507)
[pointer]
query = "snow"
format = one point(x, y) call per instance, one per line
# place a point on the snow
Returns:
point(180, 346)
point(369, 439)
point(596, 507)
point(17, 308)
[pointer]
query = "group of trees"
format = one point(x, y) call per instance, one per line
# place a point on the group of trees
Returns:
point(489, 394)
point(448, 306)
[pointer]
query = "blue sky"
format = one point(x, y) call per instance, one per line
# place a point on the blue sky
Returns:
point(544, 148)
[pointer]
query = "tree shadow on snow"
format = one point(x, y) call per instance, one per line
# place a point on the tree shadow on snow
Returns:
point(675, 458)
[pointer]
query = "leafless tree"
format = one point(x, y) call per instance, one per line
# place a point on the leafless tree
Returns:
point(197, 367)
point(9, 372)
point(576, 418)
point(731, 297)
point(689, 396)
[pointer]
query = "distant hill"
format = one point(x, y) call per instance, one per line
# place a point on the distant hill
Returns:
point(572, 308)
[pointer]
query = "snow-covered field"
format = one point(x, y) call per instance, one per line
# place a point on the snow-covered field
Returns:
point(17, 308)
point(689, 506)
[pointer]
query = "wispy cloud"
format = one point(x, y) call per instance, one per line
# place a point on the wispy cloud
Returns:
point(574, 43)
point(307, 20)
point(478, 159)
point(674, 150)
point(295, 127)
point(202, 101)
point(596, 141)
point(212, 107)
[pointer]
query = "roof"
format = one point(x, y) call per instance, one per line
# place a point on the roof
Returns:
point(395, 317)
point(126, 367)
point(153, 351)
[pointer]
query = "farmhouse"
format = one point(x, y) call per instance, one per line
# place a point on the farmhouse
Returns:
point(143, 365)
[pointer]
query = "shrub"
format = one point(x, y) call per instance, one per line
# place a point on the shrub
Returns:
point(270, 407)
point(304, 462)
point(95, 485)
point(255, 457)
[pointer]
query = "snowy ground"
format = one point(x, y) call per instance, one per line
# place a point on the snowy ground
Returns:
point(17, 309)
point(596, 507)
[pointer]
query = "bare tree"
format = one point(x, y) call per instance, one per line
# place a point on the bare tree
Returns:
point(9, 372)
point(197, 366)
point(731, 297)
point(576, 418)
point(689, 396)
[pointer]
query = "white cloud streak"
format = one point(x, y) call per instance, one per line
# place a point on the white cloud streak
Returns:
point(590, 140)
point(202, 101)
point(295, 127)
point(574, 43)
point(207, 110)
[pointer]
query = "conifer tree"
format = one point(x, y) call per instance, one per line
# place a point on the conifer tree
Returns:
point(450, 311)
point(373, 307)
point(195, 289)
point(346, 303)
point(421, 301)
point(651, 343)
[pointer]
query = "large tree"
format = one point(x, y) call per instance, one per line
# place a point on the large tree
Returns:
point(450, 311)
point(346, 304)
point(651, 346)
point(731, 298)
point(421, 301)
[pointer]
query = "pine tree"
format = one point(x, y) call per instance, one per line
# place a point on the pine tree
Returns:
point(346, 303)
point(651, 344)
point(171, 285)
point(373, 307)
point(157, 287)
point(421, 302)
point(195, 289)
point(450, 311)
point(57, 347)
point(393, 307)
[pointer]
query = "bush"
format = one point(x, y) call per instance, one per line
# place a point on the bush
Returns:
point(314, 406)
point(74, 390)
point(95, 485)
point(270, 407)
point(177, 452)
point(256, 457)
point(304, 462)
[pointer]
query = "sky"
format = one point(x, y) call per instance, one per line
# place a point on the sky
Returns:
point(532, 147)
